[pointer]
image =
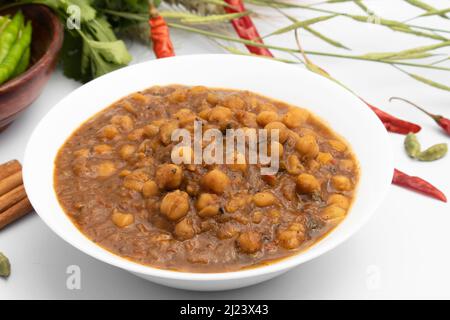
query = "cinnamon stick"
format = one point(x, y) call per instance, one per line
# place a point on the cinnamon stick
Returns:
point(10, 182)
point(17, 211)
point(9, 199)
point(9, 168)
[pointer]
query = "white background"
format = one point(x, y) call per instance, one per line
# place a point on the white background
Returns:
point(403, 252)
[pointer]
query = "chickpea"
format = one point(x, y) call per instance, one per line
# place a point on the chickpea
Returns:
point(126, 151)
point(307, 183)
point(109, 132)
point(274, 215)
point(240, 163)
point(220, 114)
point(257, 217)
point(102, 149)
point(278, 147)
point(124, 122)
point(324, 158)
point(140, 98)
point(346, 165)
point(235, 203)
point(195, 90)
point(216, 181)
point(337, 145)
point(175, 205)
point(339, 200)
point(136, 135)
point(234, 102)
point(121, 219)
point(212, 99)
point(313, 165)
point(283, 132)
point(264, 199)
point(293, 165)
point(227, 231)
point(341, 183)
point(82, 153)
point(333, 212)
point(307, 146)
point(184, 230)
point(248, 119)
point(165, 131)
point(169, 176)
point(204, 114)
point(178, 96)
point(133, 184)
point(185, 116)
point(207, 205)
point(249, 242)
point(106, 169)
point(129, 107)
point(124, 173)
point(291, 238)
point(266, 117)
point(295, 117)
point(150, 189)
point(151, 130)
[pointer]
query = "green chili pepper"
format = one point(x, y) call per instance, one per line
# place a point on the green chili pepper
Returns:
point(435, 152)
point(10, 35)
point(412, 145)
point(5, 266)
point(11, 61)
point(4, 20)
point(23, 63)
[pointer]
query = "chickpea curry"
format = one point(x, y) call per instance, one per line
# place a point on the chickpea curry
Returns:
point(115, 179)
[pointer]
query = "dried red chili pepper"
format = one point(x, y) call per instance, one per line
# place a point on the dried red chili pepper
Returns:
point(394, 124)
point(417, 184)
point(159, 34)
point(245, 28)
point(443, 122)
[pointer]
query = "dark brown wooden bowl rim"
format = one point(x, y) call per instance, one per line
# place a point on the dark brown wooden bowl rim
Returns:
point(52, 50)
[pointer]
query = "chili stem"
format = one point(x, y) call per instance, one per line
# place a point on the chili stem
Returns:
point(414, 105)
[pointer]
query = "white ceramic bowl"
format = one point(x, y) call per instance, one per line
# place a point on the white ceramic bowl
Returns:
point(345, 113)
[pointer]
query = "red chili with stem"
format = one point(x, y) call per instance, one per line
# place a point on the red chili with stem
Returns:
point(417, 184)
point(159, 34)
point(442, 121)
point(245, 27)
point(394, 124)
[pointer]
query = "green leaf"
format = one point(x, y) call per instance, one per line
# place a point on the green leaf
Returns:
point(300, 24)
point(429, 82)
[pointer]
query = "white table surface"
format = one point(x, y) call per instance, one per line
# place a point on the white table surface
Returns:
point(403, 252)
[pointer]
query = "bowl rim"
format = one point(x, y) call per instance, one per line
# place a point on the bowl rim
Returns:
point(257, 271)
point(52, 50)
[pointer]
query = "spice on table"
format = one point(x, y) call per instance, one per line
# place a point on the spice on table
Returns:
point(394, 124)
point(245, 27)
point(413, 149)
point(14, 203)
point(417, 184)
point(160, 34)
point(442, 121)
point(433, 153)
point(412, 145)
point(5, 266)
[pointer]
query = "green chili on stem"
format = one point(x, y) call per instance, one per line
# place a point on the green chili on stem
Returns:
point(13, 57)
point(10, 35)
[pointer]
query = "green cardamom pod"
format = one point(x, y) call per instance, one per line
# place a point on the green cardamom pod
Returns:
point(412, 145)
point(435, 152)
point(5, 266)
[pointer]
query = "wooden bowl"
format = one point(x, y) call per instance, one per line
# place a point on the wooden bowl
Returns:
point(48, 34)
